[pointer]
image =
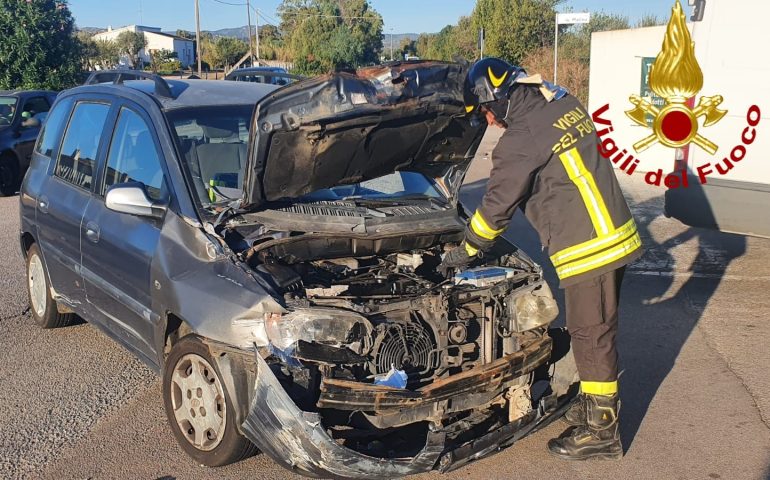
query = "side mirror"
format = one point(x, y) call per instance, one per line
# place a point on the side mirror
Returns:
point(131, 198)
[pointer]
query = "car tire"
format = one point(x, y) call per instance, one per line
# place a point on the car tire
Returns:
point(42, 306)
point(199, 409)
point(9, 175)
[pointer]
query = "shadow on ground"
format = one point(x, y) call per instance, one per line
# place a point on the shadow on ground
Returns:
point(671, 308)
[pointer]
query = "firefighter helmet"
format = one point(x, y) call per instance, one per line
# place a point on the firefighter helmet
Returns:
point(488, 80)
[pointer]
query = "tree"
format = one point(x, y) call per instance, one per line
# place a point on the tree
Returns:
point(163, 60)
point(649, 20)
point(271, 46)
point(514, 28)
point(576, 41)
point(324, 35)
point(107, 53)
point(185, 34)
point(38, 48)
point(88, 50)
point(228, 50)
point(408, 47)
point(130, 44)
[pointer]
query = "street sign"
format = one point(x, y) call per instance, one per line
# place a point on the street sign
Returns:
point(565, 19)
point(570, 18)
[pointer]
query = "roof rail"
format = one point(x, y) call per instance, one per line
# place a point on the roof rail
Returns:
point(117, 77)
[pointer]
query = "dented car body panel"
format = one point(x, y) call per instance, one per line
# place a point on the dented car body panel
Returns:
point(344, 128)
point(344, 352)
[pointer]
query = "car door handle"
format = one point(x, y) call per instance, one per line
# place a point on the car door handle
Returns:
point(42, 204)
point(92, 232)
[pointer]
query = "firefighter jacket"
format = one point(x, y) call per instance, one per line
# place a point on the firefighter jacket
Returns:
point(547, 162)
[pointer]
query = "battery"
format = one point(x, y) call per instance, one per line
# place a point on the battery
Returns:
point(483, 276)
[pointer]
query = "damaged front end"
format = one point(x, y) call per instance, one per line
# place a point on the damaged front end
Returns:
point(381, 367)
point(376, 365)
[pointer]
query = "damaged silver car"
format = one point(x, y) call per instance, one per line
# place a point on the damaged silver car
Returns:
point(277, 264)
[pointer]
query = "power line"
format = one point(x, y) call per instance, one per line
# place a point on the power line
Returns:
point(233, 4)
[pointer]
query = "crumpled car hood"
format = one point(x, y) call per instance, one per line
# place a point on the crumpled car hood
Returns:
point(343, 128)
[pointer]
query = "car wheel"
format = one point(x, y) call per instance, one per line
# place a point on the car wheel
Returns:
point(9, 175)
point(41, 304)
point(198, 407)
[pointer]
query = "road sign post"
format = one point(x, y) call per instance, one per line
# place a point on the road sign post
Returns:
point(565, 19)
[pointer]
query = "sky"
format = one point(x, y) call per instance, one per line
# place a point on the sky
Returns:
point(403, 16)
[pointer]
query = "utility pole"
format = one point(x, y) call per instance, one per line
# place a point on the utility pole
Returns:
point(257, 23)
point(198, 36)
point(251, 43)
point(391, 44)
point(555, 48)
point(481, 43)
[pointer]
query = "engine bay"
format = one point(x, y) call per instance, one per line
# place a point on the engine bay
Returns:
point(392, 320)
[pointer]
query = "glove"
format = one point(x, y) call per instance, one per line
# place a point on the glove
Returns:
point(456, 258)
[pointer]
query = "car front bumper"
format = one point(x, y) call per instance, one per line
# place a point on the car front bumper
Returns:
point(298, 441)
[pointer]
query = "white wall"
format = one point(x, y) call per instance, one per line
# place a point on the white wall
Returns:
point(616, 65)
point(729, 46)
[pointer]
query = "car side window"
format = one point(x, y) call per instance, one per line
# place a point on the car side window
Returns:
point(49, 135)
point(133, 156)
point(77, 157)
point(34, 111)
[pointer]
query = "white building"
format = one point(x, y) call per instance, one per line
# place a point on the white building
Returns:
point(156, 40)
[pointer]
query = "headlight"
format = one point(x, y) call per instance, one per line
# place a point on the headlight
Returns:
point(532, 309)
point(329, 326)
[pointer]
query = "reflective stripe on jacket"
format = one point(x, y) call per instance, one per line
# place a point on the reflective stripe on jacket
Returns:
point(547, 162)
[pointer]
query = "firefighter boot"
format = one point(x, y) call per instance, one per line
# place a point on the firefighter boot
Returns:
point(599, 438)
point(576, 414)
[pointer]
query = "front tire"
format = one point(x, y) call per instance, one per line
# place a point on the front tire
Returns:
point(43, 307)
point(199, 408)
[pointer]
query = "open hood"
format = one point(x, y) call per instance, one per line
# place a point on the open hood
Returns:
point(345, 128)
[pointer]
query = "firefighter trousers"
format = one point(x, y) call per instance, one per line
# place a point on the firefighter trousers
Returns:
point(592, 321)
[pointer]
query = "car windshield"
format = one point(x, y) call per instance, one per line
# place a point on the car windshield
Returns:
point(7, 110)
point(392, 186)
point(214, 141)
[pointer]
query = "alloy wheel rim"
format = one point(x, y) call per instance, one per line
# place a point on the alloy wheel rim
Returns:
point(198, 402)
point(36, 279)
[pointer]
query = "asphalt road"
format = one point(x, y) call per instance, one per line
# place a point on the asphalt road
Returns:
point(694, 351)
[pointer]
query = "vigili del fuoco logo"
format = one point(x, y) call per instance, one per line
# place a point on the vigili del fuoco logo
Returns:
point(676, 77)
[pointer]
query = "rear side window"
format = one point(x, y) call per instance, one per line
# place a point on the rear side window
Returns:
point(52, 128)
point(133, 156)
point(77, 158)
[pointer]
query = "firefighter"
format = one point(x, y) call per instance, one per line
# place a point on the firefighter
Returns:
point(547, 163)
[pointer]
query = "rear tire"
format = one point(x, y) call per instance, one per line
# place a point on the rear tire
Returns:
point(45, 314)
point(199, 409)
point(9, 175)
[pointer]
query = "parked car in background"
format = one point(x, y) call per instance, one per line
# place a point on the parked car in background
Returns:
point(21, 115)
point(271, 75)
point(273, 253)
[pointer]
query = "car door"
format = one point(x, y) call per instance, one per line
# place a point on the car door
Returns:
point(64, 194)
point(33, 112)
point(118, 248)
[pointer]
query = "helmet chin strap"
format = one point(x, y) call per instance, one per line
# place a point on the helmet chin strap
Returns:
point(500, 110)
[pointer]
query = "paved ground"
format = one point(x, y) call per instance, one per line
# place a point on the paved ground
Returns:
point(694, 351)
